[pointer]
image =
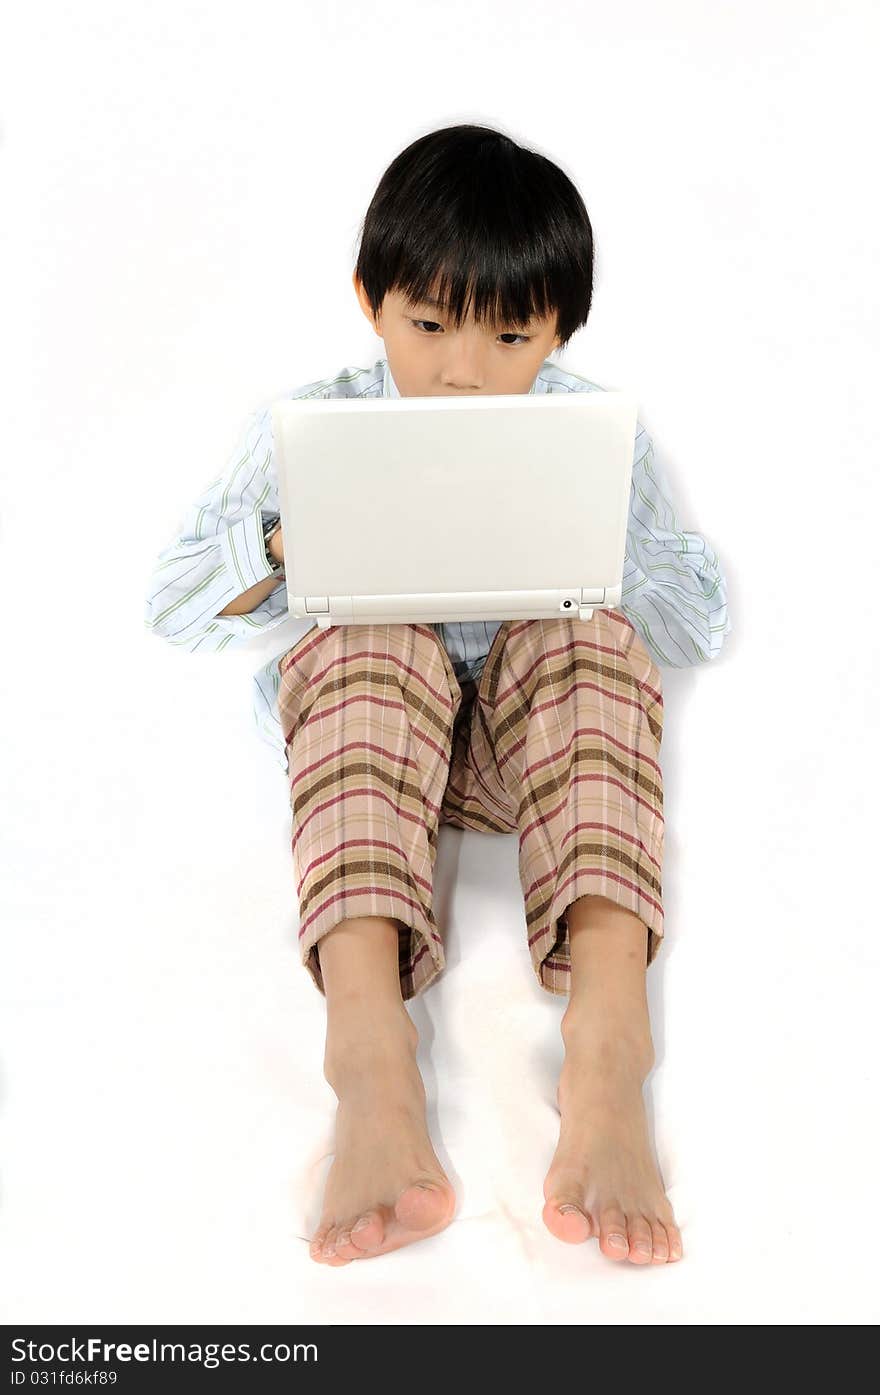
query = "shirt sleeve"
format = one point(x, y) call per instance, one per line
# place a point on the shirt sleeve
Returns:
point(219, 553)
point(673, 592)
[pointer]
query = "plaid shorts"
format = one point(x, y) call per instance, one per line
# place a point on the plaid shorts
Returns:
point(558, 742)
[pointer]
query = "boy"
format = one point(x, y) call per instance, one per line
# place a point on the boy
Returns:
point(476, 262)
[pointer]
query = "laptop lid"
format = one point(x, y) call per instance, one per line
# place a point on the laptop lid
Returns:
point(421, 509)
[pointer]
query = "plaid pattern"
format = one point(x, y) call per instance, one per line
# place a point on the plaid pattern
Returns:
point(559, 742)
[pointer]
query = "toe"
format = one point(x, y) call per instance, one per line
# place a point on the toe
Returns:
point(328, 1249)
point(345, 1249)
point(368, 1231)
point(661, 1242)
point(316, 1244)
point(566, 1219)
point(675, 1246)
point(613, 1240)
point(423, 1206)
point(641, 1240)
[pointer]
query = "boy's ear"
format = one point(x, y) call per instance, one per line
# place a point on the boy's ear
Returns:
point(363, 298)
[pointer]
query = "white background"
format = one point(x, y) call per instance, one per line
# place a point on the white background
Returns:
point(182, 188)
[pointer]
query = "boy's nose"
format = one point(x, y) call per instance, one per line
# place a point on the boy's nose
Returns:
point(462, 379)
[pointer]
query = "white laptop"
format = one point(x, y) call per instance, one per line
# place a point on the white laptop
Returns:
point(400, 510)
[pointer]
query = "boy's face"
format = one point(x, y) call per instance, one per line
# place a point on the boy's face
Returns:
point(428, 357)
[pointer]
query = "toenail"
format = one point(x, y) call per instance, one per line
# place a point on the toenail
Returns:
point(618, 1241)
point(643, 1247)
point(361, 1225)
point(568, 1209)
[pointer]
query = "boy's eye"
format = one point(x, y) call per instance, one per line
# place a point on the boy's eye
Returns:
point(512, 334)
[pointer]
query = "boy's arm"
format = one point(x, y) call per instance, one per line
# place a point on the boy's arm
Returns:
point(219, 558)
point(674, 592)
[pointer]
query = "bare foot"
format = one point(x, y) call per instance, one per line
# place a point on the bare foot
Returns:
point(603, 1180)
point(386, 1187)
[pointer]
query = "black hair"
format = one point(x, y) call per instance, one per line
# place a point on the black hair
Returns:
point(497, 223)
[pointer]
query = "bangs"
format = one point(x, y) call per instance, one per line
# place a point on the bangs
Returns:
point(456, 289)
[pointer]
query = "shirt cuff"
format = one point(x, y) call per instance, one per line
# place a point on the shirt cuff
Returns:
point(244, 553)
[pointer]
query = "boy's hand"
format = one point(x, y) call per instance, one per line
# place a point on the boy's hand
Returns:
point(276, 545)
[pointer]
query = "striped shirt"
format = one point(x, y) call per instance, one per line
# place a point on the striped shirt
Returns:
point(673, 590)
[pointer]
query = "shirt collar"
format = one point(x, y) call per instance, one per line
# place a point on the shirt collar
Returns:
point(389, 387)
